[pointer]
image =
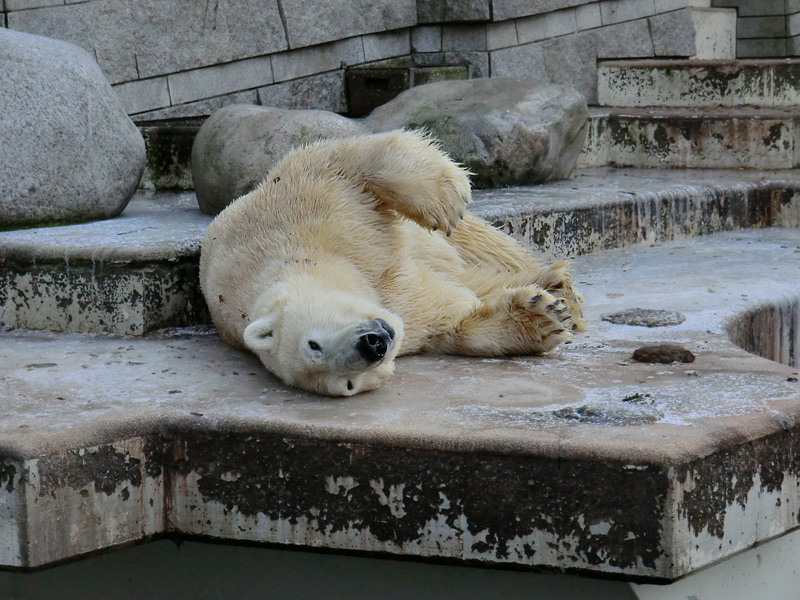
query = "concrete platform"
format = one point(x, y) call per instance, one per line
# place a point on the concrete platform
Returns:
point(581, 461)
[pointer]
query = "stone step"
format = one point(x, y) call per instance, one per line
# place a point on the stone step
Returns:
point(139, 273)
point(128, 275)
point(699, 83)
point(680, 138)
point(629, 470)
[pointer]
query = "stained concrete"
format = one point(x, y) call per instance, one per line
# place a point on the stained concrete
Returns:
point(138, 273)
point(582, 460)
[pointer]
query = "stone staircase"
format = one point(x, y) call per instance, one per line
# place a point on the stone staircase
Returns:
point(172, 432)
point(696, 114)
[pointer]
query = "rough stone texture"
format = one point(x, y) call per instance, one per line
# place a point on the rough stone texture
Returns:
point(127, 276)
point(525, 62)
point(190, 86)
point(506, 131)
point(625, 40)
point(426, 39)
point(503, 10)
point(448, 11)
point(142, 96)
point(208, 35)
point(239, 144)
point(721, 139)
point(645, 317)
point(101, 28)
point(76, 155)
point(673, 34)
point(715, 33)
point(309, 23)
point(318, 92)
point(310, 61)
point(570, 61)
point(201, 108)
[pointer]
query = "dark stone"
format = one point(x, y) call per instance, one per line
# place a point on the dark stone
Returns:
point(102, 467)
point(369, 88)
point(663, 353)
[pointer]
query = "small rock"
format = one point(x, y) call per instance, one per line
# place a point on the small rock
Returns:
point(645, 317)
point(663, 353)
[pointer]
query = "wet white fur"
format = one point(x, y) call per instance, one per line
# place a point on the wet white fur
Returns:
point(347, 230)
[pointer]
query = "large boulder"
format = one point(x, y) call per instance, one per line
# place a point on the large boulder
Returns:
point(69, 151)
point(506, 131)
point(239, 144)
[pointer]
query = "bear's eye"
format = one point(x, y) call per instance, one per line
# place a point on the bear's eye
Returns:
point(314, 345)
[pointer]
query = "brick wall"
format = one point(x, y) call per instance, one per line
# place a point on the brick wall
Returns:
point(181, 58)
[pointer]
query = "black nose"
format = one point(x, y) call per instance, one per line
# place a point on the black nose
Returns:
point(372, 346)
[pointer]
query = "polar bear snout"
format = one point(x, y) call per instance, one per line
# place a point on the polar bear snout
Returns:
point(374, 340)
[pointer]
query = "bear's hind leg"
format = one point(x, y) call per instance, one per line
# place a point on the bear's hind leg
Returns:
point(495, 261)
point(523, 320)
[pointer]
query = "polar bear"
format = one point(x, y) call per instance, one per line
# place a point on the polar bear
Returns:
point(354, 251)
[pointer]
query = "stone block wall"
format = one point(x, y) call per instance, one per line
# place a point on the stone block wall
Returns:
point(765, 28)
point(182, 58)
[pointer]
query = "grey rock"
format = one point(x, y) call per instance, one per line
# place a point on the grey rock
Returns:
point(76, 154)
point(630, 39)
point(235, 148)
point(102, 28)
point(506, 131)
point(571, 60)
point(645, 317)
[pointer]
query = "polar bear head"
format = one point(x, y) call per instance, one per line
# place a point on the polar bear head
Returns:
point(334, 344)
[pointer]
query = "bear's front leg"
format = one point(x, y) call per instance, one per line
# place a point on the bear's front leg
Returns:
point(525, 320)
point(407, 172)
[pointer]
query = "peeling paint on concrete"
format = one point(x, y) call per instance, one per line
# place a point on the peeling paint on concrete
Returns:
point(423, 503)
point(86, 499)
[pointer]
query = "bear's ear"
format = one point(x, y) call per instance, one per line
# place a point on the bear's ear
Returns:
point(258, 336)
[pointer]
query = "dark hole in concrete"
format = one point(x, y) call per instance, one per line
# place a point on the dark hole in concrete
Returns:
point(769, 330)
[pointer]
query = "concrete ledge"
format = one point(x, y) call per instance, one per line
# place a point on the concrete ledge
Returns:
point(138, 273)
point(581, 461)
point(682, 138)
point(699, 83)
point(127, 275)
